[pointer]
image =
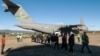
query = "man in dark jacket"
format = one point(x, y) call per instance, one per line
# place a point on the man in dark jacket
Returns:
point(85, 42)
point(71, 43)
point(56, 45)
point(52, 40)
point(64, 42)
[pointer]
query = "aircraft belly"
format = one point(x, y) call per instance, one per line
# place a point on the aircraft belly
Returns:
point(39, 28)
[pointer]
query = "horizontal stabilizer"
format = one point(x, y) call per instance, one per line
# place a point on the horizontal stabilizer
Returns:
point(10, 5)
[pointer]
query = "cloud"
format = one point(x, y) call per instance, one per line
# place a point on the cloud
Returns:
point(2, 27)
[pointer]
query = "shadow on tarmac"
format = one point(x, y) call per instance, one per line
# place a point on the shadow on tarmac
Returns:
point(43, 50)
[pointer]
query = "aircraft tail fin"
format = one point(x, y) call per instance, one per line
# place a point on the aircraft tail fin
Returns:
point(84, 28)
point(81, 21)
point(17, 11)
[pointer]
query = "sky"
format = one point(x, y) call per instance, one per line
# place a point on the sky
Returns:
point(55, 12)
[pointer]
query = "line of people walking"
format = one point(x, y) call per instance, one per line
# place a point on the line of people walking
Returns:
point(52, 40)
point(67, 44)
point(84, 39)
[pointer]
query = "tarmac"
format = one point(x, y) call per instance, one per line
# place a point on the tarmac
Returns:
point(28, 48)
